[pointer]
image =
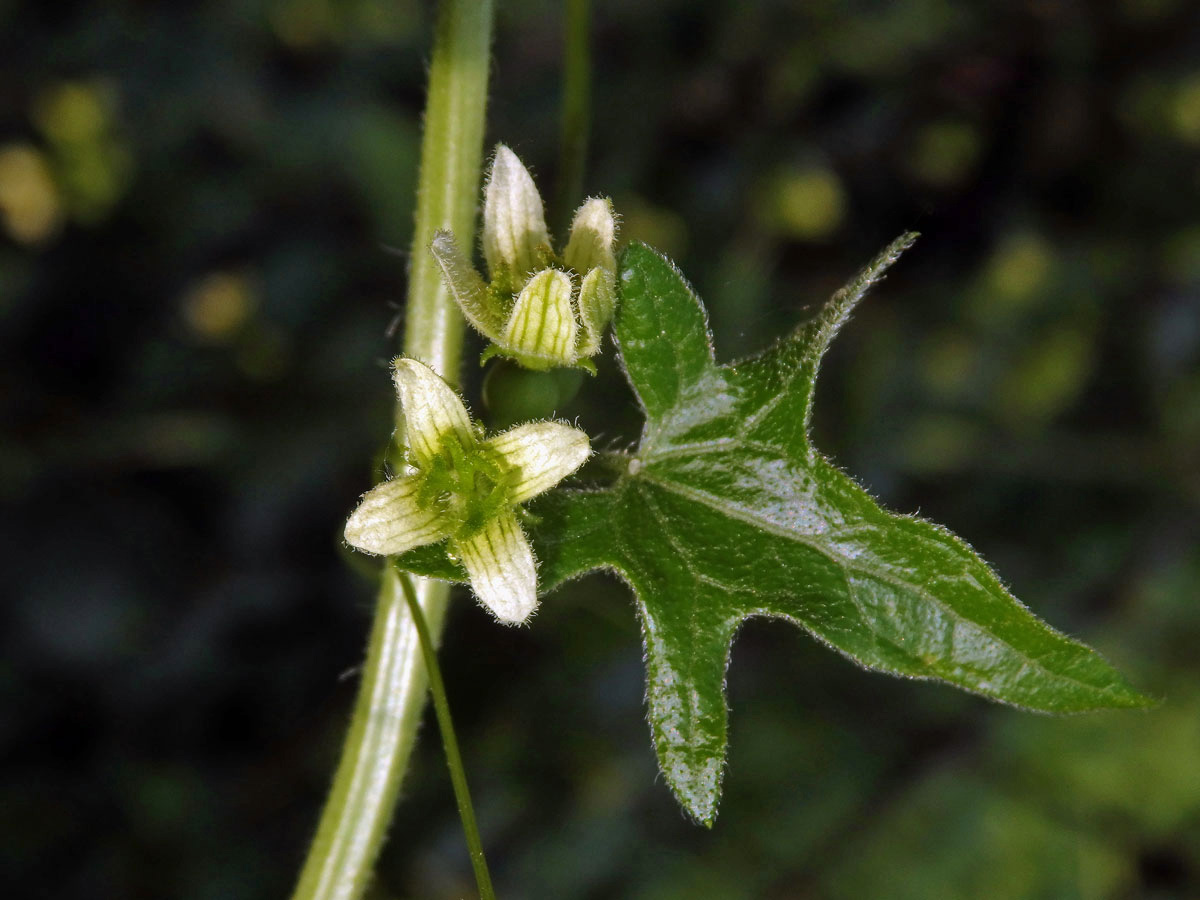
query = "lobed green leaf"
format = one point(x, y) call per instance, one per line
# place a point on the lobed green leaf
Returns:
point(726, 511)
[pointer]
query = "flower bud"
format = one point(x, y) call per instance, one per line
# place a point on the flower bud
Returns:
point(541, 332)
point(597, 302)
point(515, 240)
point(538, 309)
point(593, 235)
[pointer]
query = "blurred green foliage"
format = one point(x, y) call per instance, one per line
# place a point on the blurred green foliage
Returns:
point(197, 207)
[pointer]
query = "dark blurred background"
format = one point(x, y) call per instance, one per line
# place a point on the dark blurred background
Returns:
point(197, 202)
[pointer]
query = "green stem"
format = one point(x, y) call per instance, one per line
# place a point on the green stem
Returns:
point(392, 693)
point(576, 109)
point(448, 189)
point(381, 734)
point(458, 774)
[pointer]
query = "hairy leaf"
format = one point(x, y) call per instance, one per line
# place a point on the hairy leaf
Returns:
point(726, 511)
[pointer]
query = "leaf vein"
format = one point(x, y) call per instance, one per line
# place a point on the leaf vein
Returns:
point(735, 512)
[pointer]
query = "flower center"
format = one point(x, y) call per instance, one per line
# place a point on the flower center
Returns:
point(469, 485)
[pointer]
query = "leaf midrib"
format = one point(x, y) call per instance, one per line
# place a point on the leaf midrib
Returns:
point(722, 507)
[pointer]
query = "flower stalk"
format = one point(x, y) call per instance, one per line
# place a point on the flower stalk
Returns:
point(458, 773)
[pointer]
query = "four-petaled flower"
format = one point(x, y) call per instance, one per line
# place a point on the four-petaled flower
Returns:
point(540, 309)
point(465, 488)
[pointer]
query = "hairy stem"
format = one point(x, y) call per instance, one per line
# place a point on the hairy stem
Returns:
point(392, 693)
point(448, 190)
point(381, 735)
point(458, 774)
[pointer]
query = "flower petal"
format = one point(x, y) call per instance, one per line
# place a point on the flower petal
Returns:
point(544, 452)
point(514, 223)
point(542, 328)
point(432, 410)
point(593, 233)
point(500, 563)
point(389, 520)
point(464, 284)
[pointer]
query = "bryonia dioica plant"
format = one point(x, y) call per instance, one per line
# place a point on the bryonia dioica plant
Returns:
point(724, 510)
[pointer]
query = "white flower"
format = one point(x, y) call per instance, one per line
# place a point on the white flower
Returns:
point(539, 309)
point(465, 488)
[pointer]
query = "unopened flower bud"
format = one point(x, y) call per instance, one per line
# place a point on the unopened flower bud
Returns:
point(597, 302)
point(542, 331)
point(515, 240)
point(538, 309)
point(593, 237)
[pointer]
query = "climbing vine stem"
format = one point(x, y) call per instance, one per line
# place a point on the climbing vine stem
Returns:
point(392, 690)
